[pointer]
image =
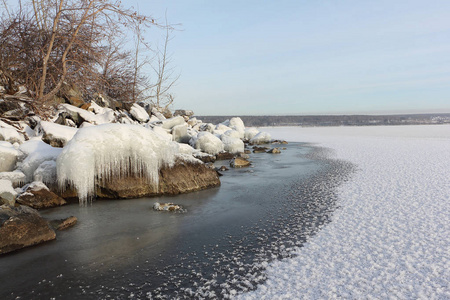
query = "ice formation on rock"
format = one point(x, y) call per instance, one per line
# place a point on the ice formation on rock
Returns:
point(250, 133)
point(232, 144)
point(207, 142)
point(139, 113)
point(261, 138)
point(112, 150)
point(37, 152)
point(8, 157)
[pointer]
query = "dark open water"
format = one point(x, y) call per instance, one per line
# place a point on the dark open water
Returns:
point(122, 249)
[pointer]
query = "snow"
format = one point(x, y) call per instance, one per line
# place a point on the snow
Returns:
point(261, 138)
point(16, 177)
point(112, 150)
point(390, 237)
point(139, 113)
point(207, 142)
point(106, 117)
point(172, 122)
point(250, 133)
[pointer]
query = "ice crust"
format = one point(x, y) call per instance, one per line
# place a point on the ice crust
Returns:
point(391, 236)
point(112, 150)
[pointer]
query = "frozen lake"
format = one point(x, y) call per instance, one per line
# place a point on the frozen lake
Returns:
point(390, 237)
point(220, 247)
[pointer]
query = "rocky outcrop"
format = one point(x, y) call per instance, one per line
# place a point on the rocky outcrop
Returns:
point(274, 151)
point(22, 227)
point(37, 195)
point(183, 177)
point(224, 156)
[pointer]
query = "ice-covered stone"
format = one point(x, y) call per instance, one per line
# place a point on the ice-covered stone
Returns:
point(56, 135)
point(261, 138)
point(232, 144)
point(8, 157)
point(139, 113)
point(7, 193)
point(207, 142)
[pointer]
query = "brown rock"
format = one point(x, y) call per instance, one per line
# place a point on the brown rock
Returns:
point(239, 162)
point(224, 156)
point(257, 149)
point(274, 151)
point(22, 227)
point(64, 223)
point(39, 196)
point(183, 177)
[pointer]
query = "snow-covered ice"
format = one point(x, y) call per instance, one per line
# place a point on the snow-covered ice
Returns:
point(390, 238)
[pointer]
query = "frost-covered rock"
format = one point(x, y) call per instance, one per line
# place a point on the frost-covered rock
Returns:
point(183, 113)
point(261, 138)
point(22, 227)
point(232, 144)
point(7, 193)
point(37, 195)
point(162, 133)
point(108, 152)
point(8, 157)
point(56, 135)
point(209, 127)
point(207, 142)
point(158, 114)
point(222, 127)
point(79, 115)
point(233, 133)
point(172, 122)
point(139, 113)
point(36, 152)
point(250, 133)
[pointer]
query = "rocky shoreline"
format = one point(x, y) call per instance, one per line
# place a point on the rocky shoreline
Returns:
point(44, 162)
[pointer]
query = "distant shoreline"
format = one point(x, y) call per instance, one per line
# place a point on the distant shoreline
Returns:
point(335, 120)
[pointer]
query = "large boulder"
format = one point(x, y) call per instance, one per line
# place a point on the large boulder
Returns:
point(37, 195)
point(207, 142)
point(186, 175)
point(139, 113)
point(22, 227)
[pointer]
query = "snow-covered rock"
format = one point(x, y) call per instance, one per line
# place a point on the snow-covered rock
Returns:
point(37, 152)
point(162, 133)
point(46, 172)
point(8, 157)
point(172, 122)
point(232, 144)
point(261, 138)
point(11, 135)
point(208, 127)
point(109, 151)
point(16, 177)
point(250, 133)
point(37, 195)
point(180, 133)
point(139, 113)
point(7, 193)
point(207, 142)
point(57, 135)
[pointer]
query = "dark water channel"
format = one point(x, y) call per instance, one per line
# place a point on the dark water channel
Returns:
point(122, 249)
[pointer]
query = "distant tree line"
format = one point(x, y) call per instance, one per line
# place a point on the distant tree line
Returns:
point(47, 45)
point(334, 120)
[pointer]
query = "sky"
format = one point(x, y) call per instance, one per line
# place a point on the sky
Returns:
point(307, 57)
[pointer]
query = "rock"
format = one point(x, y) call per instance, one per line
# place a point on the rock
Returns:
point(232, 144)
point(139, 113)
point(260, 149)
point(57, 135)
point(167, 207)
point(247, 151)
point(274, 151)
point(239, 162)
point(22, 227)
point(184, 177)
point(37, 196)
point(17, 178)
point(7, 193)
point(224, 156)
point(278, 142)
point(207, 142)
point(183, 113)
point(250, 133)
point(11, 135)
point(72, 95)
point(63, 224)
point(205, 157)
point(222, 168)
point(14, 110)
point(208, 127)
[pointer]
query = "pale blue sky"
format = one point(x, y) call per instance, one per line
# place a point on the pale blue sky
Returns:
point(309, 57)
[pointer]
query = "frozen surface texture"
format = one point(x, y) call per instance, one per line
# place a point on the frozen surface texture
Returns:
point(391, 236)
point(112, 150)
